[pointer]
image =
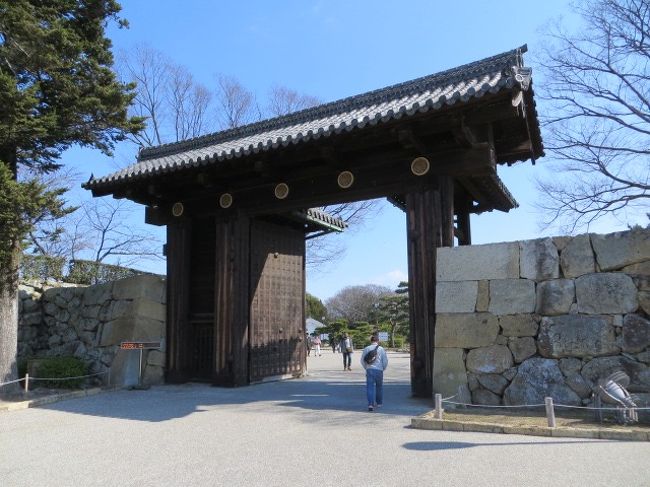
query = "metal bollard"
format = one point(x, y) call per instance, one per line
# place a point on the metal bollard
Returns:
point(439, 410)
point(550, 412)
point(26, 383)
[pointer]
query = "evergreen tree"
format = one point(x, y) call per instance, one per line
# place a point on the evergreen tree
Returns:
point(393, 309)
point(57, 89)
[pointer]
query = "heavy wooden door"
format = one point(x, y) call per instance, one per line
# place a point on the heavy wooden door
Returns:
point(277, 288)
point(201, 335)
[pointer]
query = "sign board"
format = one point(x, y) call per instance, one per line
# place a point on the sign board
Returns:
point(383, 336)
point(139, 345)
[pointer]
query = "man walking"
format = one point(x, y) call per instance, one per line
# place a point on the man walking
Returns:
point(375, 361)
point(346, 349)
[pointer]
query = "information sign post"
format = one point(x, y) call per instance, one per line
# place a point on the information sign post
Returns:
point(133, 345)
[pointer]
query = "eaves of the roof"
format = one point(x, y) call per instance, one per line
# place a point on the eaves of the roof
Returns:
point(455, 86)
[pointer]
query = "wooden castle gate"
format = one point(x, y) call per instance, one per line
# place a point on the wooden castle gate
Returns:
point(236, 203)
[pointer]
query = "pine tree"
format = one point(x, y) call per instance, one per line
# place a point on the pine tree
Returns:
point(57, 89)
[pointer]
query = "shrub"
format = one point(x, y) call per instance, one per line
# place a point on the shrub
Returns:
point(61, 367)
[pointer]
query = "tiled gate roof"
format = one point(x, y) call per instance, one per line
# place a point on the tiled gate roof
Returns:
point(455, 86)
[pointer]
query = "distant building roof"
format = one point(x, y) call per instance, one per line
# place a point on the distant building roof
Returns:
point(311, 325)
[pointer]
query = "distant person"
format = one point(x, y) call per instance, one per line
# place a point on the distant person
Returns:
point(346, 350)
point(308, 344)
point(316, 342)
point(333, 341)
point(375, 361)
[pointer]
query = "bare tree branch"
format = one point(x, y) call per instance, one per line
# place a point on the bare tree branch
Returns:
point(237, 104)
point(175, 105)
point(598, 89)
point(283, 100)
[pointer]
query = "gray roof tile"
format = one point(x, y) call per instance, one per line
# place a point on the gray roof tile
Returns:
point(457, 85)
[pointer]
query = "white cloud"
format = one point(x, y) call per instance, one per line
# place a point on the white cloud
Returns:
point(390, 279)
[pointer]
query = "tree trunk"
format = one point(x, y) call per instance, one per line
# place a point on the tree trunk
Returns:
point(9, 296)
point(9, 326)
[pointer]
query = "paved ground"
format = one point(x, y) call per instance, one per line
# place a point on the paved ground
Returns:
point(314, 431)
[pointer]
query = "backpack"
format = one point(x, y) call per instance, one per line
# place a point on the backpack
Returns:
point(371, 356)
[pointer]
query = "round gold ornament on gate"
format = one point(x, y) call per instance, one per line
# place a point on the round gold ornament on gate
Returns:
point(420, 166)
point(177, 209)
point(225, 200)
point(281, 191)
point(345, 179)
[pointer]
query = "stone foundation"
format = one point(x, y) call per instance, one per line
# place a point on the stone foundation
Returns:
point(520, 321)
point(91, 322)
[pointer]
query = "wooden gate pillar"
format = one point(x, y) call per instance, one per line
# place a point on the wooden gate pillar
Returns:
point(232, 301)
point(429, 220)
point(178, 266)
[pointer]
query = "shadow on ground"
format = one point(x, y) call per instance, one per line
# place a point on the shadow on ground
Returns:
point(455, 445)
point(167, 402)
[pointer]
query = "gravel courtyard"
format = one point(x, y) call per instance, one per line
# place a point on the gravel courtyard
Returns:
point(312, 431)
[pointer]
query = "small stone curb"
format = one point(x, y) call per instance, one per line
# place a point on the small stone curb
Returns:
point(40, 401)
point(427, 423)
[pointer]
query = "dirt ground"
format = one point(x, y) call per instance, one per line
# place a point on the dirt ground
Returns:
point(575, 419)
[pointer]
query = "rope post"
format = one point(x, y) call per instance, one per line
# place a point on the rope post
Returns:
point(26, 383)
point(439, 410)
point(550, 412)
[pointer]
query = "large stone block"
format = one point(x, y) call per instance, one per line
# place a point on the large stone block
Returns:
point(483, 296)
point(641, 269)
point(641, 281)
point(153, 375)
point(522, 348)
point(555, 297)
point(644, 301)
point(577, 257)
point(536, 379)
point(524, 325)
point(155, 357)
point(601, 367)
point(448, 371)
point(477, 262)
point(29, 319)
point(494, 359)
point(31, 305)
point(466, 330)
point(606, 293)
point(97, 294)
point(512, 296)
point(456, 297)
point(579, 385)
point(485, 397)
point(570, 366)
point(144, 286)
point(138, 308)
point(617, 250)
point(636, 333)
point(493, 382)
point(576, 336)
point(124, 329)
point(538, 259)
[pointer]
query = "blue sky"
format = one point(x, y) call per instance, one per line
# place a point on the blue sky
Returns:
point(336, 49)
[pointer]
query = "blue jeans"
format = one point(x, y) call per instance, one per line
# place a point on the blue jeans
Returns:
point(347, 359)
point(375, 386)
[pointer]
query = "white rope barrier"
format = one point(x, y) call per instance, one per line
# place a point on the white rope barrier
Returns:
point(568, 406)
point(11, 382)
point(493, 406)
point(600, 409)
point(541, 405)
point(68, 378)
point(27, 378)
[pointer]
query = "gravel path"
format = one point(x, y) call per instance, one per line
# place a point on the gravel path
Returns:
point(313, 431)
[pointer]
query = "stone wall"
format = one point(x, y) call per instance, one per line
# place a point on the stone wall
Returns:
point(91, 322)
point(520, 321)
